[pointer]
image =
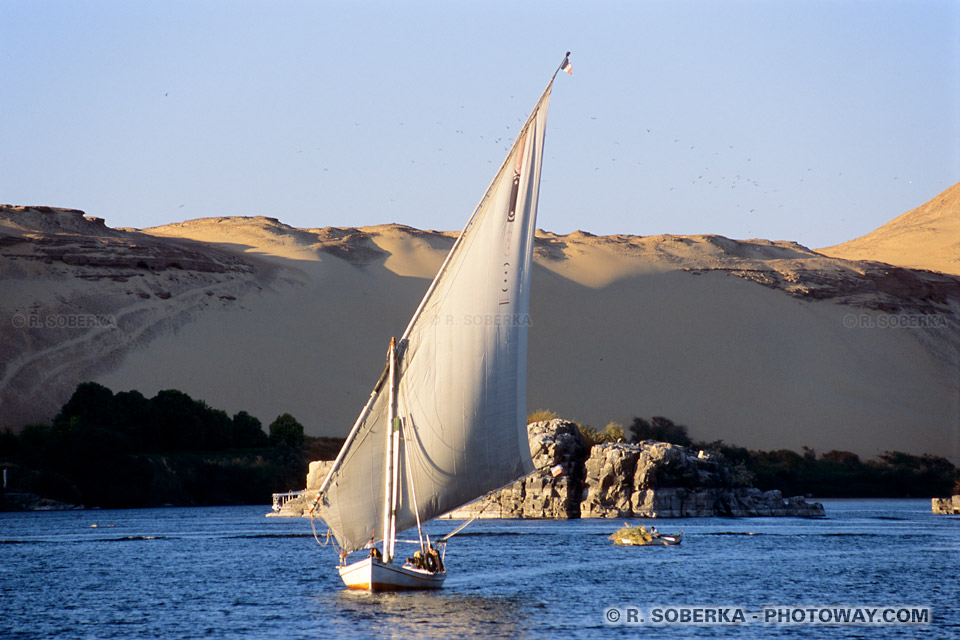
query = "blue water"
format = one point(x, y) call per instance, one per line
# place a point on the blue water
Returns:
point(230, 572)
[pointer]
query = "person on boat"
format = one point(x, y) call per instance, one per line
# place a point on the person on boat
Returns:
point(374, 552)
point(416, 560)
point(433, 562)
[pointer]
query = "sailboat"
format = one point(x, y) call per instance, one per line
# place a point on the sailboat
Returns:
point(446, 421)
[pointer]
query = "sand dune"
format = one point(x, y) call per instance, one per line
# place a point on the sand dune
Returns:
point(927, 237)
point(765, 344)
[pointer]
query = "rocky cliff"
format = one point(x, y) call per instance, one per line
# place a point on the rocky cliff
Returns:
point(612, 480)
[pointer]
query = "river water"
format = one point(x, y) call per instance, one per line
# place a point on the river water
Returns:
point(229, 572)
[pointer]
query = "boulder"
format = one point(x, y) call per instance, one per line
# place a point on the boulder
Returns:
point(552, 491)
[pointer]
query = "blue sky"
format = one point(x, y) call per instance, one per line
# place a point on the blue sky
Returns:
point(813, 121)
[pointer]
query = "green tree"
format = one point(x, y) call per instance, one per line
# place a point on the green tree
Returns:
point(90, 404)
point(248, 431)
point(660, 429)
point(130, 414)
point(217, 428)
point(177, 423)
point(286, 430)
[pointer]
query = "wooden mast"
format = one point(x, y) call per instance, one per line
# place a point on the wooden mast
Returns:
point(394, 430)
point(389, 508)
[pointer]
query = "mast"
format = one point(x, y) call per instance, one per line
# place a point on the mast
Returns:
point(394, 430)
point(389, 476)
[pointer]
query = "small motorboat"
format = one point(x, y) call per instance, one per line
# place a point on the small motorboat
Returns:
point(642, 537)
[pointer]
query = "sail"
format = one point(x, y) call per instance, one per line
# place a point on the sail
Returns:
point(461, 369)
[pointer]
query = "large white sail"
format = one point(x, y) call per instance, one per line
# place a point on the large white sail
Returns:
point(461, 368)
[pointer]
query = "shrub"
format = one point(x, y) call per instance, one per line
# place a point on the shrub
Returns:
point(613, 432)
point(541, 415)
point(590, 435)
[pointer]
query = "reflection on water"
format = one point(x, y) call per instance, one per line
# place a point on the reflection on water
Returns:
point(428, 614)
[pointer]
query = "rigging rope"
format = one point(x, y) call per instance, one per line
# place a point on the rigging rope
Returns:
point(413, 488)
point(313, 525)
point(467, 523)
point(460, 528)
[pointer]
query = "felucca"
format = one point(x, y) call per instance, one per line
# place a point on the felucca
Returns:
point(446, 421)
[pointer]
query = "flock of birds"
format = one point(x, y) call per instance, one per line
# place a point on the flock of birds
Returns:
point(693, 167)
point(734, 175)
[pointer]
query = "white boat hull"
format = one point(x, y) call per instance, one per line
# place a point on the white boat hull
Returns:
point(657, 541)
point(375, 575)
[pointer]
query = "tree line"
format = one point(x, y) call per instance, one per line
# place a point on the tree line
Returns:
point(125, 450)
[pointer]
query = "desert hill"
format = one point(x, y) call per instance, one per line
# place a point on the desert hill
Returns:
point(927, 237)
point(760, 343)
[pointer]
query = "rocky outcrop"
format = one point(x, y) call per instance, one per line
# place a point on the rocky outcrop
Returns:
point(554, 490)
point(661, 480)
point(947, 506)
point(620, 480)
point(609, 480)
